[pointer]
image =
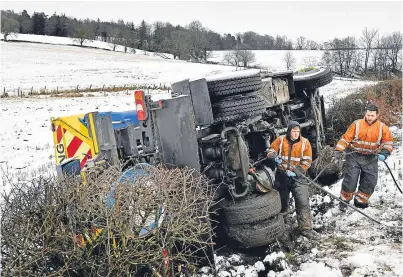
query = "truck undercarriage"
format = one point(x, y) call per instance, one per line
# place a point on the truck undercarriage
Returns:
point(222, 126)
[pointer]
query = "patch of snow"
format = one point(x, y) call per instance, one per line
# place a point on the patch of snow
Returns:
point(259, 266)
point(232, 75)
point(315, 269)
point(205, 269)
point(303, 75)
point(361, 260)
point(235, 259)
point(273, 256)
point(224, 274)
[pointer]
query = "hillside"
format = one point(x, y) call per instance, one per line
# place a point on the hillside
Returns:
point(61, 66)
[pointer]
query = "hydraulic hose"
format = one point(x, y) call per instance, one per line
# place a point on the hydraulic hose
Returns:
point(337, 198)
point(393, 177)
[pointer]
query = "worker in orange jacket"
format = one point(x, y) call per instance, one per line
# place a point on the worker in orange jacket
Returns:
point(366, 141)
point(293, 155)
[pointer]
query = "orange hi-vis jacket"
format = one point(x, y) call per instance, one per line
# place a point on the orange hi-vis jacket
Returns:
point(299, 155)
point(366, 139)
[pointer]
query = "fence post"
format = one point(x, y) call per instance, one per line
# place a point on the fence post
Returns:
point(90, 86)
point(77, 88)
point(32, 88)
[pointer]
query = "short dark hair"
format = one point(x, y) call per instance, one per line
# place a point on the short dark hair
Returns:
point(371, 108)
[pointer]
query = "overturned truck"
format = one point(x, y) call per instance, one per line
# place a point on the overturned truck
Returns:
point(222, 126)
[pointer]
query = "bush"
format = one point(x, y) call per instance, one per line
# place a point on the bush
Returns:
point(54, 227)
point(386, 95)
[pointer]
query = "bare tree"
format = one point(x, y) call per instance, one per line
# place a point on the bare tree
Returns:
point(83, 34)
point(243, 56)
point(381, 60)
point(394, 44)
point(327, 58)
point(289, 60)
point(310, 62)
point(229, 58)
point(367, 41)
point(179, 45)
point(312, 45)
point(338, 55)
point(301, 43)
point(349, 52)
point(114, 37)
point(9, 26)
point(197, 41)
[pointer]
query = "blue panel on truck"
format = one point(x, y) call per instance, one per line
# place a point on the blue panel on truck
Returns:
point(121, 120)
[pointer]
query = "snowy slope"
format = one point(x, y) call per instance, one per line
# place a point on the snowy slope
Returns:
point(349, 243)
point(35, 65)
point(87, 43)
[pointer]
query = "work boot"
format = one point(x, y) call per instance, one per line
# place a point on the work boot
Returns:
point(343, 207)
point(310, 234)
point(359, 204)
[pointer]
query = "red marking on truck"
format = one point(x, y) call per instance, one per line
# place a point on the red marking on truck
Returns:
point(84, 160)
point(73, 146)
point(59, 134)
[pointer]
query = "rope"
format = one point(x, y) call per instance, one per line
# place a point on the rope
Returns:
point(338, 199)
point(390, 171)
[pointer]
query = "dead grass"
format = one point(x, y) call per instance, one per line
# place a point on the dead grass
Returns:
point(386, 95)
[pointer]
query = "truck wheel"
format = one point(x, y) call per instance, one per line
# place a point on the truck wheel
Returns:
point(237, 83)
point(253, 209)
point(238, 108)
point(256, 234)
point(312, 79)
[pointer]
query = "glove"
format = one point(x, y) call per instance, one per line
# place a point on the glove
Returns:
point(336, 157)
point(290, 173)
point(278, 160)
point(381, 157)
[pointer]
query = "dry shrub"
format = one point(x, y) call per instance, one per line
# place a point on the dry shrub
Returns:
point(67, 95)
point(53, 227)
point(342, 113)
point(388, 97)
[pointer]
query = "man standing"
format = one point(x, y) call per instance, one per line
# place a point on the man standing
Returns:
point(289, 152)
point(366, 141)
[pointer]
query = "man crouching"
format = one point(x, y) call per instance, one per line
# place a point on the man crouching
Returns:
point(293, 155)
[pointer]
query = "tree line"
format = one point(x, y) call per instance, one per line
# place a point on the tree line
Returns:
point(379, 55)
point(371, 55)
point(185, 42)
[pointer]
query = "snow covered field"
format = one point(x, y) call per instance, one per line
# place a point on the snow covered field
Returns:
point(27, 65)
point(349, 244)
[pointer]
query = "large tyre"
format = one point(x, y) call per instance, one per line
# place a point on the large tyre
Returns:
point(256, 234)
point(253, 209)
point(238, 108)
point(312, 79)
point(234, 83)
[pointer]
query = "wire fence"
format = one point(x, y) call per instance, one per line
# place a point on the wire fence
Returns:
point(26, 92)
